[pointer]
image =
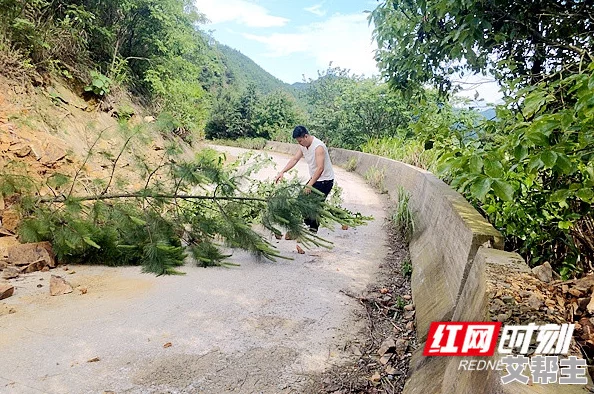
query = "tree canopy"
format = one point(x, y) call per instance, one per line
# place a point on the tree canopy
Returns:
point(431, 41)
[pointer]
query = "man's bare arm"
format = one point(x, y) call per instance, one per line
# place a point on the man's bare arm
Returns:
point(292, 162)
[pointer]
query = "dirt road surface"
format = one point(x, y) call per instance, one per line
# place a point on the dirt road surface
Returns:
point(262, 327)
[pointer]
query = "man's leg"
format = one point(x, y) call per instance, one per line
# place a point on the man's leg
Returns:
point(325, 187)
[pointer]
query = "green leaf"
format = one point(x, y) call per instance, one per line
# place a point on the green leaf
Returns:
point(494, 169)
point(565, 225)
point(476, 164)
point(503, 190)
point(520, 152)
point(549, 158)
point(560, 196)
point(585, 194)
point(564, 164)
point(533, 102)
point(481, 187)
point(538, 138)
point(535, 164)
point(91, 242)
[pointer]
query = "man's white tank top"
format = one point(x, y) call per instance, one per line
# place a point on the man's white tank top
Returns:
point(310, 157)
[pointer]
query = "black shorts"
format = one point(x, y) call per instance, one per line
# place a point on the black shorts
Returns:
point(324, 186)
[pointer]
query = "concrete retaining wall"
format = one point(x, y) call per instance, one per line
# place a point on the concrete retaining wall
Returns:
point(453, 251)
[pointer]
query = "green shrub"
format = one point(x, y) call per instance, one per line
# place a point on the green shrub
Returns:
point(376, 178)
point(100, 84)
point(403, 217)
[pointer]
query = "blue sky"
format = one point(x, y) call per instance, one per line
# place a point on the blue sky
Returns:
point(290, 39)
point(293, 39)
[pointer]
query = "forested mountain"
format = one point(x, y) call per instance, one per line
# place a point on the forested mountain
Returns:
point(242, 71)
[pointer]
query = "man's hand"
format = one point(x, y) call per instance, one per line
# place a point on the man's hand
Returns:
point(307, 189)
point(279, 177)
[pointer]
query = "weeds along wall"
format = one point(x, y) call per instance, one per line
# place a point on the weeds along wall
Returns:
point(453, 250)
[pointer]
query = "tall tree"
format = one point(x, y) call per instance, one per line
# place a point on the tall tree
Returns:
point(430, 41)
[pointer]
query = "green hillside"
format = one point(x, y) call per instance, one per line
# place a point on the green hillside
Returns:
point(241, 71)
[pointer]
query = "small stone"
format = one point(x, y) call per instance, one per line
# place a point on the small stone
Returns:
point(59, 286)
point(590, 306)
point(401, 346)
point(82, 290)
point(345, 227)
point(406, 297)
point(10, 220)
point(35, 266)
point(534, 302)
point(25, 254)
point(543, 272)
point(94, 360)
point(300, 250)
point(6, 290)
point(385, 358)
point(376, 378)
point(10, 272)
point(502, 317)
point(409, 307)
point(386, 346)
point(410, 326)
point(390, 370)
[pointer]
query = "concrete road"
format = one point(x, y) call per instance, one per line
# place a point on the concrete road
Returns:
point(260, 327)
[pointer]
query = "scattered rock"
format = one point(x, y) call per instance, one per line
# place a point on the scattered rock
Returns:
point(387, 346)
point(59, 286)
point(35, 266)
point(10, 220)
point(94, 360)
point(401, 347)
point(6, 290)
point(25, 254)
point(534, 302)
point(82, 290)
point(149, 119)
point(385, 358)
point(168, 344)
point(20, 150)
point(300, 250)
point(409, 315)
point(590, 306)
point(390, 370)
point(10, 272)
point(409, 307)
point(543, 272)
point(375, 378)
point(345, 227)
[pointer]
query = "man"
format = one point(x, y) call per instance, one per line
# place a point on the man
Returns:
point(321, 173)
